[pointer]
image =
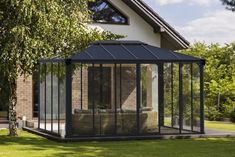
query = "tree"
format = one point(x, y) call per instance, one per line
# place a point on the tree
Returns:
point(219, 78)
point(230, 4)
point(31, 29)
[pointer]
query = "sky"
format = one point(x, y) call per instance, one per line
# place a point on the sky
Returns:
point(198, 20)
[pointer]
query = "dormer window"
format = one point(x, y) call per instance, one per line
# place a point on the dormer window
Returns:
point(105, 12)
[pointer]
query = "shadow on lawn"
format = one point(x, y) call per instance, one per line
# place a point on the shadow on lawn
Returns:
point(30, 142)
point(151, 148)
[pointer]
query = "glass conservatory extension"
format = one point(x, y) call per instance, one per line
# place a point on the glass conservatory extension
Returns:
point(121, 88)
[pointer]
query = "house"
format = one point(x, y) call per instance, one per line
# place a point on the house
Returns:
point(138, 22)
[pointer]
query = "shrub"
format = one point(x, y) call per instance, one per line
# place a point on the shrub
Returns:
point(232, 116)
point(213, 114)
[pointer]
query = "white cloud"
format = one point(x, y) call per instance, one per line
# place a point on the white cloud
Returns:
point(200, 2)
point(218, 26)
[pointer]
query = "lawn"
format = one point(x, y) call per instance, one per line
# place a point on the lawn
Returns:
point(31, 145)
point(220, 125)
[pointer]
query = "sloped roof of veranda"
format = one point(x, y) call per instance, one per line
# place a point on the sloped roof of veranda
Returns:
point(122, 51)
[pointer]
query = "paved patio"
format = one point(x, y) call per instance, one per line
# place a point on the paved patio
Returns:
point(3, 126)
point(209, 133)
point(219, 132)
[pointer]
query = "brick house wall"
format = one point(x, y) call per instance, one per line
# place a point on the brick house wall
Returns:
point(25, 91)
point(128, 93)
point(128, 89)
point(76, 89)
point(25, 97)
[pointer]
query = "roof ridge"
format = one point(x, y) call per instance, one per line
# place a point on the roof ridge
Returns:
point(154, 20)
point(162, 19)
point(119, 42)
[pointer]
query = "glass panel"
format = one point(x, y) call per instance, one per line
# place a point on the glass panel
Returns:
point(42, 95)
point(52, 97)
point(126, 108)
point(94, 87)
point(175, 119)
point(196, 97)
point(61, 103)
point(105, 111)
point(48, 97)
point(4, 95)
point(144, 79)
point(55, 97)
point(171, 98)
point(35, 92)
point(101, 87)
point(186, 76)
point(149, 99)
point(104, 12)
point(82, 116)
point(76, 88)
point(97, 88)
point(167, 94)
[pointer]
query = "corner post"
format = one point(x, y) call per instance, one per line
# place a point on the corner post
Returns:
point(160, 95)
point(68, 86)
point(202, 127)
point(138, 95)
point(115, 97)
point(39, 95)
point(181, 103)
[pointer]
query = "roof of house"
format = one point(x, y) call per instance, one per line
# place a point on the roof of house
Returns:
point(129, 52)
point(169, 34)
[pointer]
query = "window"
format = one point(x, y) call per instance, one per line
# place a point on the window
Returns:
point(35, 94)
point(144, 86)
point(4, 95)
point(104, 12)
point(100, 87)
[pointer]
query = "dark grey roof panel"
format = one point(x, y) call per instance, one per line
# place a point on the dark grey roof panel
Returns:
point(118, 51)
point(140, 51)
point(187, 57)
point(118, 42)
point(164, 53)
point(97, 52)
point(129, 51)
point(85, 56)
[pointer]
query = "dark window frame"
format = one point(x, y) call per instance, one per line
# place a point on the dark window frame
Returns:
point(35, 92)
point(121, 13)
point(4, 93)
point(100, 71)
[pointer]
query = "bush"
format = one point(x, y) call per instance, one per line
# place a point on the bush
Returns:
point(213, 114)
point(232, 116)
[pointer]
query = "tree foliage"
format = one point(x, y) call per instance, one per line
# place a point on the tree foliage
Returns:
point(32, 29)
point(219, 77)
point(230, 4)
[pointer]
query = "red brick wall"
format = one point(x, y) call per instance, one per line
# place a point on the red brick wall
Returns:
point(25, 97)
point(25, 92)
point(128, 89)
point(76, 90)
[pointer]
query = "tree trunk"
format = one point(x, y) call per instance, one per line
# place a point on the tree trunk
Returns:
point(12, 106)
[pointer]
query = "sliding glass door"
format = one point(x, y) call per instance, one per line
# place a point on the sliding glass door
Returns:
point(4, 96)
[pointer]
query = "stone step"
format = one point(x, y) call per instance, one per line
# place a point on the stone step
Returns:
point(3, 121)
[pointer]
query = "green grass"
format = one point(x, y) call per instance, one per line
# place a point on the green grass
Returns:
point(220, 125)
point(217, 125)
point(31, 145)
point(3, 114)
